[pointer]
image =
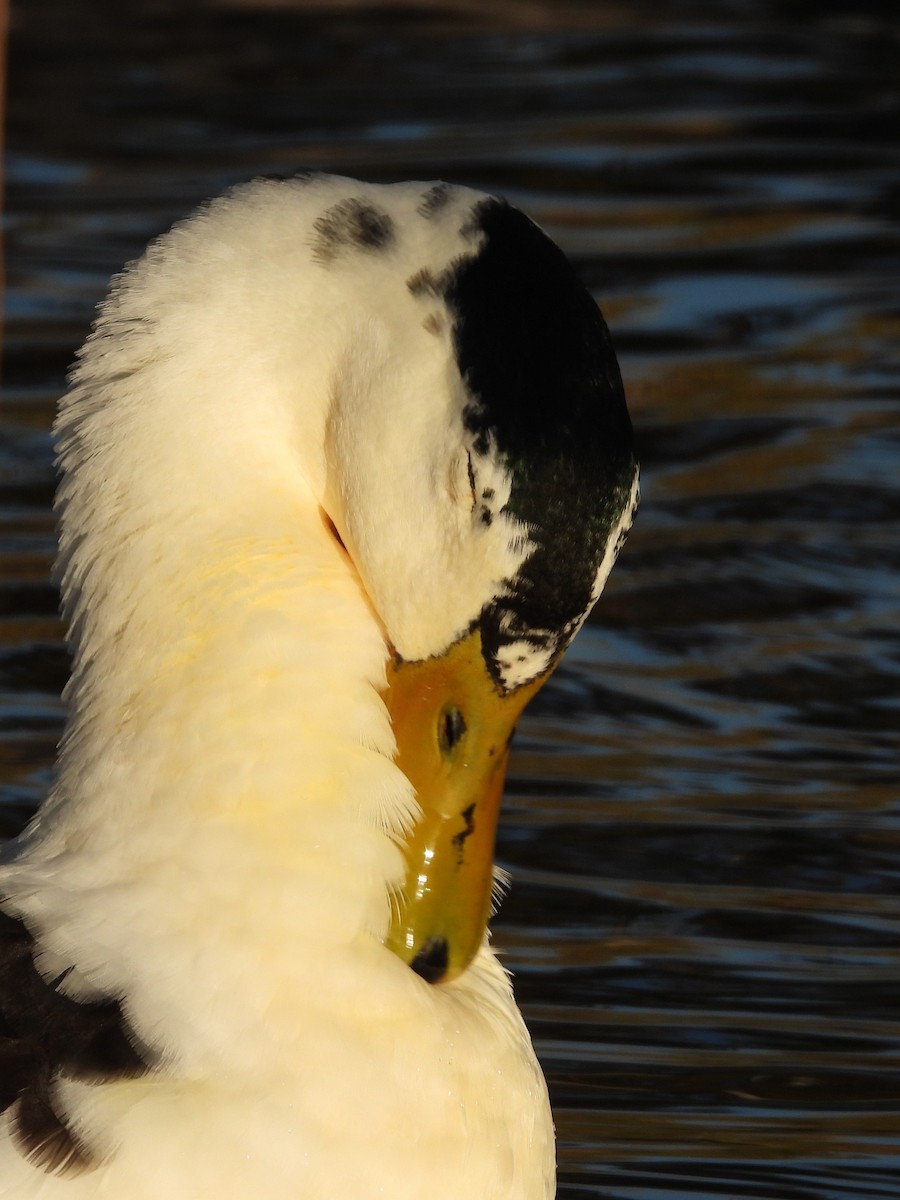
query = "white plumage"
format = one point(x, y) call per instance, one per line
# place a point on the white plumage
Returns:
point(269, 484)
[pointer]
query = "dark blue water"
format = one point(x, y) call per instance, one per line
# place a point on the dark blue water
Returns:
point(703, 819)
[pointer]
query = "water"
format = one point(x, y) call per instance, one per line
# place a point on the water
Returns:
point(703, 820)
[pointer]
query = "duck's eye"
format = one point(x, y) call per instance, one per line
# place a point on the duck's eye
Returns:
point(451, 729)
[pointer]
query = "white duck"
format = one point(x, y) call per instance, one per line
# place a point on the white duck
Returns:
point(344, 468)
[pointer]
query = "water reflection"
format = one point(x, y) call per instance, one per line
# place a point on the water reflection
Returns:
point(703, 811)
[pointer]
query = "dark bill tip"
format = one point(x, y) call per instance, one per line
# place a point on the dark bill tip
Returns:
point(432, 960)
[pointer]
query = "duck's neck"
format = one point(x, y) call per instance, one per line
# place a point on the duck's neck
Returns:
point(228, 759)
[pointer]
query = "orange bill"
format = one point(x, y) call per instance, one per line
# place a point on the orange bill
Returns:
point(453, 727)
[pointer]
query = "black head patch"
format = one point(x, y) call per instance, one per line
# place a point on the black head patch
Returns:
point(353, 223)
point(547, 399)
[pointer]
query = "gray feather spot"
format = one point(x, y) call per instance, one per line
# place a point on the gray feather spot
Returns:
point(352, 223)
point(423, 283)
point(434, 200)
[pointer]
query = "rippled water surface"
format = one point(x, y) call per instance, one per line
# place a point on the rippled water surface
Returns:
point(703, 820)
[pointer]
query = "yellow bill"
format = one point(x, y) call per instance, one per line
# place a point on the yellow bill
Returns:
point(453, 727)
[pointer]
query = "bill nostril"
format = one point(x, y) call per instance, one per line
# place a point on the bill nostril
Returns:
point(451, 729)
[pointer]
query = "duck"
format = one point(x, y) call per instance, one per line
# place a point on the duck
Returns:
point(343, 466)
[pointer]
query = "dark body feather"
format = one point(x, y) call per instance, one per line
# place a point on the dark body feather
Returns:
point(45, 1036)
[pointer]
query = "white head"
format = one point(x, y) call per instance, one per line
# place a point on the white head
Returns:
point(421, 354)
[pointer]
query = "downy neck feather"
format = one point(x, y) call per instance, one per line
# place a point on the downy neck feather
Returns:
point(227, 755)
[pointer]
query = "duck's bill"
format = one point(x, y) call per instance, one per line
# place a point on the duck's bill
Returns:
point(453, 728)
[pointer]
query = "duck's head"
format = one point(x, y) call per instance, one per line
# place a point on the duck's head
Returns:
point(521, 448)
point(421, 362)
